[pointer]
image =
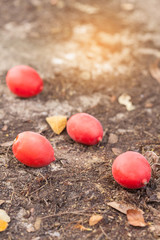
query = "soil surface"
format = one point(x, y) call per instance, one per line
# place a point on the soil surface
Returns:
point(88, 53)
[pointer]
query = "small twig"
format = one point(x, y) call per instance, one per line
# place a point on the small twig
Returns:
point(104, 232)
point(41, 186)
point(100, 237)
point(66, 213)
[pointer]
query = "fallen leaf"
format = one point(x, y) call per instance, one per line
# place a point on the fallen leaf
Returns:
point(6, 144)
point(125, 99)
point(113, 138)
point(135, 218)
point(94, 219)
point(37, 223)
point(82, 228)
point(57, 123)
point(155, 70)
point(4, 216)
point(122, 207)
point(117, 151)
point(3, 225)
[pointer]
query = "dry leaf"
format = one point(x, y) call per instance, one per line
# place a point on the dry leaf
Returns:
point(82, 228)
point(37, 223)
point(113, 138)
point(57, 123)
point(125, 99)
point(4, 216)
point(122, 207)
point(117, 151)
point(3, 225)
point(135, 218)
point(94, 219)
point(155, 70)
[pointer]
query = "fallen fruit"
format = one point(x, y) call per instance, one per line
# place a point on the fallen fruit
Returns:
point(84, 128)
point(24, 81)
point(131, 170)
point(33, 149)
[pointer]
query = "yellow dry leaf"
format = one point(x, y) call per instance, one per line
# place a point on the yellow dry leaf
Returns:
point(94, 219)
point(57, 123)
point(3, 225)
point(82, 228)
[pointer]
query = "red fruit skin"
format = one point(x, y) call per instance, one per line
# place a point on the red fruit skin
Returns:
point(84, 128)
point(33, 150)
point(131, 170)
point(24, 81)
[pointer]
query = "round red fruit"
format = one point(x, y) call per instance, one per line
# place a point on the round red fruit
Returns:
point(84, 128)
point(24, 81)
point(33, 149)
point(131, 170)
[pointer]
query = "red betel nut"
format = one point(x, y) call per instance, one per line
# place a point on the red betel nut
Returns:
point(131, 170)
point(24, 81)
point(84, 128)
point(33, 149)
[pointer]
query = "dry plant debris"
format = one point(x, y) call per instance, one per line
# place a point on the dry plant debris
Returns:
point(125, 99)
point(37, 223)
point(1, 202)
point(122, 207)
point(6, 144)
point(117, 151)
point(94, 219)
point(57, 123)
point(113, 138)
point(155, 70)
point(82, 228)
point(135, 218)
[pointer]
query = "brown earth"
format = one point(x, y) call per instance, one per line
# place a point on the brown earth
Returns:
point(88, 53)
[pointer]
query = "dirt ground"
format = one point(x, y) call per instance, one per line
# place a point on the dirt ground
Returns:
point(89, 53)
